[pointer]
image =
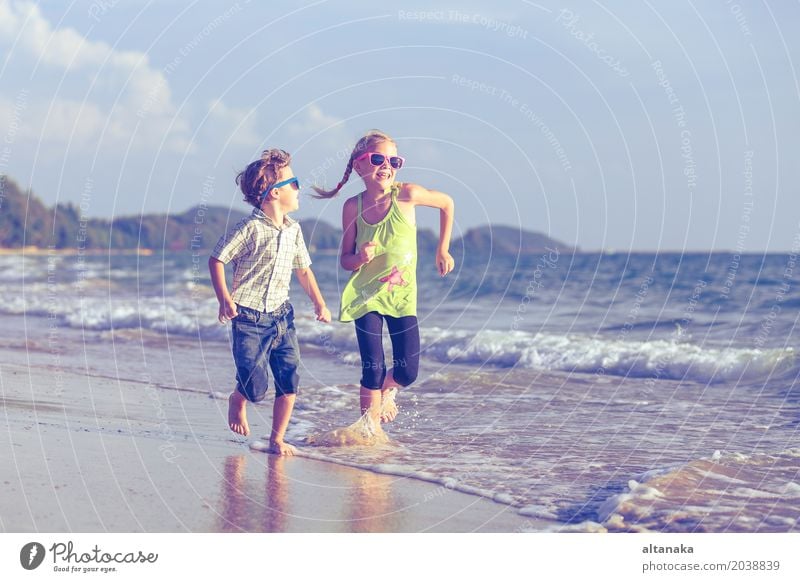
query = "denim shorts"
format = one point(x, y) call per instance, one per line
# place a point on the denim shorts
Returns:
point(262, 340)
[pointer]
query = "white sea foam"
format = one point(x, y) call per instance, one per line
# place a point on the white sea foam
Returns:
point(718, 483)
point(792, 489)
point(630, 503)
point(659, 359)
point(261, 446)
point(98, 310)
point(179, 313)
point(582, 527)
point(653, 359)
point(543, 511)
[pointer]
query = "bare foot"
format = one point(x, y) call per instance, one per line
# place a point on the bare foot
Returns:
point(237, 415)
point(281, 448)
point(389, 408)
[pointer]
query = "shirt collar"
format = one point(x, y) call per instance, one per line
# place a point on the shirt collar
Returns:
point(287, 220)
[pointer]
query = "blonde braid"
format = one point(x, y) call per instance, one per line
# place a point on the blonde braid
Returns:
point(346, 176)
point(374, 136)
point(322, 194)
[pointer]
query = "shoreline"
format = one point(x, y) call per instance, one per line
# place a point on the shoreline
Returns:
point(72, 251)
point(45, 251)
point(92, 453)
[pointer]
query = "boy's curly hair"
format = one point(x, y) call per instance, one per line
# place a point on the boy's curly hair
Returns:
point(259, 176)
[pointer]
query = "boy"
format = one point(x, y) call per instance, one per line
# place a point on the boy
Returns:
point(265, 247)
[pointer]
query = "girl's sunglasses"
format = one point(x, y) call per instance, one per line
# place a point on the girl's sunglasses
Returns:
point(377, 159)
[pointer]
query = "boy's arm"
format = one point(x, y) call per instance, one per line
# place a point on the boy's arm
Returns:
point(309, 284)
point(421, 196)
point(232, 245)
point(227, 308)
point(302, 268)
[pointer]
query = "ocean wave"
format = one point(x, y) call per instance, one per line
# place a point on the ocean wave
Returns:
point(651, 324)
point(748, 492)
point(97, 311)
point(191, 310)
point(656, 359)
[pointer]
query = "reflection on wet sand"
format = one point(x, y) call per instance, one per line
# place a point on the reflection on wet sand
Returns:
point(243, 506)
point(233, 500)
point(271, 498)
point(276, 493)
point(370, 503)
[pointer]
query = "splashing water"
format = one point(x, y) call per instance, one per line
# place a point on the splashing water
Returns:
point(365, 432)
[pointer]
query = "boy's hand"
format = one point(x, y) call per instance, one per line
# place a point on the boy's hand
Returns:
point(444, 262)
point(323, 313)
point(367, 252)
point(227, 310)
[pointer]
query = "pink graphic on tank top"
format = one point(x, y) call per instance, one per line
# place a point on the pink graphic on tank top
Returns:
point(394, 278)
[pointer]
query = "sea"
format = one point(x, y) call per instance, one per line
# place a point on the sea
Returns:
point(591, 391)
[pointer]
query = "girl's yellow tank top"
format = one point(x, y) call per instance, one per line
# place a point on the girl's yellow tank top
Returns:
point(388, 283)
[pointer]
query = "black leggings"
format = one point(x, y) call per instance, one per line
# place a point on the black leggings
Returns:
point(405, 348)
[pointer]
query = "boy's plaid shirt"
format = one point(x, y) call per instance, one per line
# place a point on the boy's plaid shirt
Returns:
point(263, 257)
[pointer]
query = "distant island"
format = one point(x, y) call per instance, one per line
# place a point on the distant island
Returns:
point(26, 222)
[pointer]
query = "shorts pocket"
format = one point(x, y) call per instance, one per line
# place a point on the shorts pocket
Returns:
point(245, 314)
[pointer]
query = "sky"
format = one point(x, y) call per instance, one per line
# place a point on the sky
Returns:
point(626, 126)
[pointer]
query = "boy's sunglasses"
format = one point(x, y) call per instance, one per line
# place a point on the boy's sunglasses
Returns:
point(377, 159)
point(293, 181)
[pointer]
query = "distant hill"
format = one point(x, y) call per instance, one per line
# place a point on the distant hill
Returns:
point(502, 240)
point(26, 221)
point(320, 236)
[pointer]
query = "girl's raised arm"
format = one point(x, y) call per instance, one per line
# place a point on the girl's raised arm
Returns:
point(421, 196)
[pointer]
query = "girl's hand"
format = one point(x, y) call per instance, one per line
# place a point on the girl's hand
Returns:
point(227, 310)
point(323, 314)
point(367, 252)
point(444, 262)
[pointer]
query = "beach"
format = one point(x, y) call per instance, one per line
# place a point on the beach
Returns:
point(588, 393)
point(85, 451)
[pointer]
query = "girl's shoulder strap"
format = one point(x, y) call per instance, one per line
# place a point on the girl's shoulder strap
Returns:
point(395, 189)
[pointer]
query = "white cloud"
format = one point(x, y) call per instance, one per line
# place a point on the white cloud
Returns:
point(136, 102)
point(314, 129)
point(235, 125)
point(313, 120)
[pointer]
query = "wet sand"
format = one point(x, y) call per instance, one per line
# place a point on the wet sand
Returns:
point(86, 453)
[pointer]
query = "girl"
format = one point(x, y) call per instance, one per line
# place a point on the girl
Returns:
point(379, 245)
